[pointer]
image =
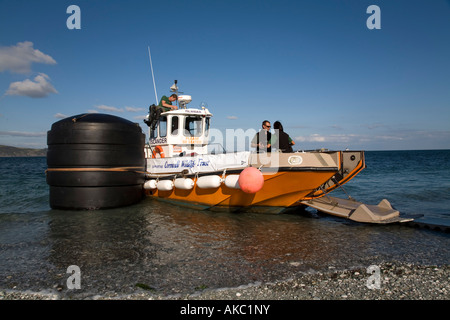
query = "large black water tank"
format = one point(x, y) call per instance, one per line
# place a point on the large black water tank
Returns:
point(95, 161)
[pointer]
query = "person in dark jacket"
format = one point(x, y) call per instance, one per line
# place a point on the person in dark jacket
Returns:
point(262, 140)
point(283, 140)
point(165, 104)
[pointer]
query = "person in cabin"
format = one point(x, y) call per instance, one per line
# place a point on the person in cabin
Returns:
point(165, 104)
point(281, 138)
point(262, 140)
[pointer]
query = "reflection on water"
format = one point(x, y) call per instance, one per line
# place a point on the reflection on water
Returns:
point(173, 249)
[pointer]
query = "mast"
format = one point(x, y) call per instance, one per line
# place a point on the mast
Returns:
point(153, 77)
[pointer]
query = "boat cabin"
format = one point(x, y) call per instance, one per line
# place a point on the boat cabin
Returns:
point(181, 132)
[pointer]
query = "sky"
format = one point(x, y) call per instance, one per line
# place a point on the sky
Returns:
point(336, 74)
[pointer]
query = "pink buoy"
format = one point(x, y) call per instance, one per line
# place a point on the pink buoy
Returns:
point(251, 180)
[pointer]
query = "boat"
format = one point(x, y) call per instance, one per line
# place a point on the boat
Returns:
point(184, 167)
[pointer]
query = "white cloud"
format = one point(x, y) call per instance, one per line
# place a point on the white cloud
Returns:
point(232, 117)
point(133, 109)
point(389, 139)
point(337, 127)
point(38, 88)
point(312, 138)
point(60, 116)
point(22, 134)
point(375, 126)
point(333, 138)
point(18, 58)
point(109, 108)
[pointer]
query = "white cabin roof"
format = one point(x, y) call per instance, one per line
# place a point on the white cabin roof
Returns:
point(187, 112)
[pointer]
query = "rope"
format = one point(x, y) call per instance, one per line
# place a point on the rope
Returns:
point(118, 169)
point(75, 119)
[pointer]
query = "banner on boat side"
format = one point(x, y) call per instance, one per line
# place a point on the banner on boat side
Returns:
point(200, 163)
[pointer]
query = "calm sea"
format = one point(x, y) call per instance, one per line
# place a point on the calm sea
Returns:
point(177, 250)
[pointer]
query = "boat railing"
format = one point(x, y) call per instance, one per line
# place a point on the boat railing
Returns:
point(216, 148)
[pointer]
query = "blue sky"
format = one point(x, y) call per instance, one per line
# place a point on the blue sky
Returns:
point(313, 65)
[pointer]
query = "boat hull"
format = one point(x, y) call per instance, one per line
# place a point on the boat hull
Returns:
point(280, 191)
point(285, 185)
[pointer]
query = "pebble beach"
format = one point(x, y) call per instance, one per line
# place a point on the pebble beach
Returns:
point(396, 282)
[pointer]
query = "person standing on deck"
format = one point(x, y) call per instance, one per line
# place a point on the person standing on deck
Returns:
point(283, 141)
point(262, 140)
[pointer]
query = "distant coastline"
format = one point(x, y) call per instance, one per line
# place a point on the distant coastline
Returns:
point(7, 151)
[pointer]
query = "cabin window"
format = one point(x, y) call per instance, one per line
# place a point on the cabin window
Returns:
point(174, 128)
point(193, 126)
point(207, 127)
point(163, 126)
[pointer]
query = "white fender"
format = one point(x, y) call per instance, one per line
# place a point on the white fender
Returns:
point(184, 183)
point(208, 182)
point(232, 181)
point(150, 184)
point(165, 185)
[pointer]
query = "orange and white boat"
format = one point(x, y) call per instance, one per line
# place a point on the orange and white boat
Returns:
point(183, 167)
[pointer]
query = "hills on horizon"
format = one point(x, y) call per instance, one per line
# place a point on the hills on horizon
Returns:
point(8, 151)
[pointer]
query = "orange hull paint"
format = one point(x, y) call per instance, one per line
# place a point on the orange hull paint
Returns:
point(282, 189)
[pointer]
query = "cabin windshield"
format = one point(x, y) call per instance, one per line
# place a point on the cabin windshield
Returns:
point(193, 126)
point(161, 126)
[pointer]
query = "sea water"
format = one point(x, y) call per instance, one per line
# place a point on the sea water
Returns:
point(171, 249)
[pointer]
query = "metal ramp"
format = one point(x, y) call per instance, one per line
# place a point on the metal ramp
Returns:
point(382, 213)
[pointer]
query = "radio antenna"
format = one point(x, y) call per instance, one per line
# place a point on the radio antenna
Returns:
point(153, 77)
